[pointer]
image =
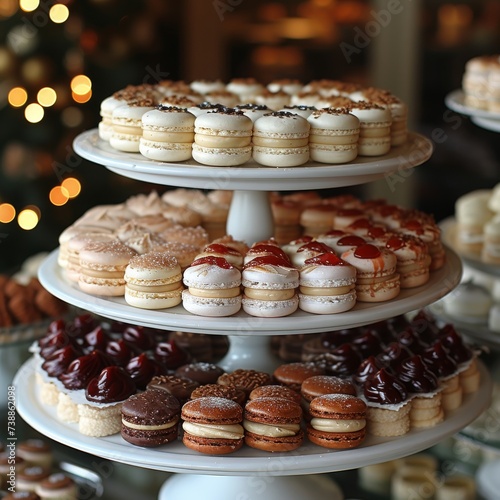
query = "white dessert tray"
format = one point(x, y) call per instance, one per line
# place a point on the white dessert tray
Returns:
point(308, 459)
point(441, 282)
point(488, 120)
point(252, 176)
point(448, 234)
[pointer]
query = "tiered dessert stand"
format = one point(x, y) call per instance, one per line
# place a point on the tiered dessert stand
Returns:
point(250, 473)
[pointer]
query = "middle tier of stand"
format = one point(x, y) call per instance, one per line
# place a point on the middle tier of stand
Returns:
point(308, 459)
point(441, 282)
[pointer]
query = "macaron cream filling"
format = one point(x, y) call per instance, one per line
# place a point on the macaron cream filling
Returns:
point(333, 425)
point(273, 430)
point(214, 431)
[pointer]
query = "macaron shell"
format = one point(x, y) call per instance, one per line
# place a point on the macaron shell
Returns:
point(211, 446)
point(336, 440)
point(265, 443)
point(212, 307)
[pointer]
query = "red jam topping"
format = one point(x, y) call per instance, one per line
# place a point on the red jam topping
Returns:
point(303, 239)
point(333, 232)
point(83, 369)
point(350, 241)
point(221, 249)
point(142, 369)
point(213, 261)
point(395, 243)
point(367, 369)
point(376, 232)
point(58, 362)
point(384, 388)
point(360, 224)
point(270, 260)
point(367, 252)
point(269, 250)
point(388, 210)
point(138, 337)
point(326, 259)
point(120, 351)
point(112, 385)
point(316, 246)
point(270, 241)
point(58, 325)
point(416, 376)
point(413, 225)
point(171, 355)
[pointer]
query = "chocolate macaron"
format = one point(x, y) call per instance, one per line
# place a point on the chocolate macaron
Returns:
point(293, 374)
point(220, 391)
point(275, 391)
point(338, 421)
point(180, 387)
point(273, 424)
point(150, 418)
point(246, 380)
point(201, 372)
point(212, 425)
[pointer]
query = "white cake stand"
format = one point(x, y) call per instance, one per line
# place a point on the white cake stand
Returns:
point(255, 468)
point(488, 120)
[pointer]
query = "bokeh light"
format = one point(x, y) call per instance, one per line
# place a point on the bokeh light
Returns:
point(81, 98)
point(58, 196)
point(34, 112)
point(18, 97)
point(29, 5)
point(8, 8)
point(7, 213)
point(46, 97)
point(59, 13)
point(72, 186)
point(28, 218)
point(81, 85)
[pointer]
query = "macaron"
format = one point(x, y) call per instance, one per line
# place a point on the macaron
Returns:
point(377, 279)
point(222, 138)
point(293, 374)
point(270, 285)
point(167, 134)
point(233, 256)
point(29, 478)
point(126, 123)
point(153, 281)
point(150, 418)
point(334, 135)
point(179, 387)
point(375, 128)
point(220, 391)
point(102, 268)
point(319, 385)
point(35, 452)
point(275, 391)
point(254, 111)
point(205, 86)
point(201, 372)
point(281, 139)
point(213, 287)
point(245, 88)
point(273, 424)
point(308, 251)
point(327, 285)
point(212, 425)
point(245, 379)
point(274, 99)
point(289, 85)
point(57, 486)
point(338, 421)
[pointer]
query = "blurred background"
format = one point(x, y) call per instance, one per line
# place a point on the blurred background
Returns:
point(60, 59)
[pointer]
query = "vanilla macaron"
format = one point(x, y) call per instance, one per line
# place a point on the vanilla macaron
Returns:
point(167, 134)
point(245, 88)
point(327, 285)
point(334, 135)
point(153, 281)
point(281, 139)
point(375, 128)
point(222, 138)
point(270, 285)
point(377, 279)
point(102, 267)
point(213, 287)
point(127, 125)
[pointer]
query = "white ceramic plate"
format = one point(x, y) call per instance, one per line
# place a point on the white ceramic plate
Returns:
point(487, 123)
point(177, 318)
point(252, 176)
point(308, 459)
point(455, 101)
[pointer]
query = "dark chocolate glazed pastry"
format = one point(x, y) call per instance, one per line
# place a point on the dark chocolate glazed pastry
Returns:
point(83, 369)
point(454, 344)
point(438, 360)
point(416, 376)
point(384, 388)
point(367, 369)
point(342, 361)
point(112, 385)
point(142, 369)
point(58, 362)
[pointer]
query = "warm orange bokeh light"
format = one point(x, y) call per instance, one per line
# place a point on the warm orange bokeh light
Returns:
point(17, 97)
point(29, 5)
point(81, 98)
point(81, 84)
point(7, 213)
point(72, 186)
point(58, 196)
point(59, 13)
